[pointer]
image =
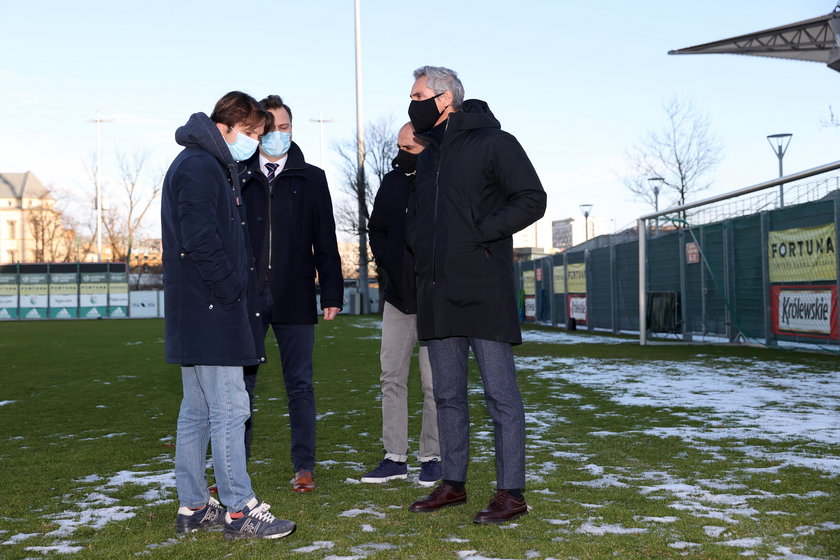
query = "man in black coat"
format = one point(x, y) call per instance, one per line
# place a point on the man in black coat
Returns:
point(208, 274)
point(476, 187)
point(292, 230)
point(399, 324)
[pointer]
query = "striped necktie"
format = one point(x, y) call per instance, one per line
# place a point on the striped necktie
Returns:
point(272, 167)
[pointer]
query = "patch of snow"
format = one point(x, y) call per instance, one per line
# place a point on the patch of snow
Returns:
point(565, 337)
point(317, 545)
point(59, 548)
point(368, 528)
point(714, 531)
point(749, 542)
point(680, 545)
point(666, 519)
point(587, 528)
point(14, 539)
point(357, 512)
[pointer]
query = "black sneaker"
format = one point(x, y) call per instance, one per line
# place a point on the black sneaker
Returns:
point(430, 473)
point(207, 517)
point(387, 470)
point(256, 522)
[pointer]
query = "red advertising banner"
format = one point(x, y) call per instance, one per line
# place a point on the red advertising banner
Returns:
point(804, 310)
point(576, 304)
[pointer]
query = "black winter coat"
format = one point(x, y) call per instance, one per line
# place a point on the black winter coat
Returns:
point(292, 230)
point(386, 230)
point(208, 268)
point(475, 189)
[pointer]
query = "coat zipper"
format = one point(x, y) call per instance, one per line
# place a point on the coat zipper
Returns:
point(434, 214)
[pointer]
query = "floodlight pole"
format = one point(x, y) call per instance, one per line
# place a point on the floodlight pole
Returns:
point(364, 304)
point(586, 209)
point(321, 120)
point(780, 143)
point(98, 120)
point(656, 184)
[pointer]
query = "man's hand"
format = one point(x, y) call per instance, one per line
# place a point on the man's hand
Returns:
point(330, 313)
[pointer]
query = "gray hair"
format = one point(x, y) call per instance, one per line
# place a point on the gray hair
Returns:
point(442, 79)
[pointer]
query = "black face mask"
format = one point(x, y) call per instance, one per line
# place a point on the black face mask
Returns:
point(405, 162)
point(424, 114)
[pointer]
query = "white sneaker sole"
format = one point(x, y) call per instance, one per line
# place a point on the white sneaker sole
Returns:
point(426, 483)
point(380, 480)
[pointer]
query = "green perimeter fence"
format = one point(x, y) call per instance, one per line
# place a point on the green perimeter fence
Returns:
point(768, 278)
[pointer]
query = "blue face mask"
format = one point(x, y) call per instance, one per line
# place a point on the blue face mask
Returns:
point(276, 144)
point(244, 147)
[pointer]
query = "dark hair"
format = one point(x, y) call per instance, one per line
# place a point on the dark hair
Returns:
point(275, 102)
point(237, 107)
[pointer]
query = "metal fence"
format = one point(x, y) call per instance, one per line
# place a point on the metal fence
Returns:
point(769, 277)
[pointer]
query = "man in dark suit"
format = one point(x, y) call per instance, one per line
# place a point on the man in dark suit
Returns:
point(476, 187)
point(292, 230)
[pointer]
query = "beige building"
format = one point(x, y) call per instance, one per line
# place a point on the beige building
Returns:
point(23, 200)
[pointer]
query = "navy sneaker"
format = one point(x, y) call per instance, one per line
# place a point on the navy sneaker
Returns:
point(430, 473)
point(256, 522)
point(387, 470)
point(210, 515)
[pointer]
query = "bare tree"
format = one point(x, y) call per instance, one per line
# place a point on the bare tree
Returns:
point(53, 239)
point(683, 152)
point(122, 218)
point(380, 149)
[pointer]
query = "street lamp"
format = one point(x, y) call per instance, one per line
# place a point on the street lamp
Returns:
point(656, 184)
point(321, 120)
point(779, 143)
point(586, 209)
point(98, 120)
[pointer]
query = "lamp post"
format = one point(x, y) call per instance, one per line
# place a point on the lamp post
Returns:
point(360, 167)
point(321, 120)
point(586, 209)
point(656, 184)
point(98, 120)
point(780, 143)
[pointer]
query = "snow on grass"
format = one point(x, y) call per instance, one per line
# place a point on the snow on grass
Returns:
point(315, 546)
point(665, 519)
point(14, 539)
point(563, 337)
point(355, 512)
point(588, 528)
point(474, 555)
point(736, 399)
point(58, 548)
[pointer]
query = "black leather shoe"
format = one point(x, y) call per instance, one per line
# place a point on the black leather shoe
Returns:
point(442, 496)
point(501, 509)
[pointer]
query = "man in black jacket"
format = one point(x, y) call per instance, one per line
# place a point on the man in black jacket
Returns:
point(399, 324)
point(476, 187)
point(292, 230)
point(210, 310)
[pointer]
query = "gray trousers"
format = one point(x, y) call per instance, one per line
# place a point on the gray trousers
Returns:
point(449, 358)
point(399, 337)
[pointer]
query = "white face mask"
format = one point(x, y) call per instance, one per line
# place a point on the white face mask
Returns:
point(243, 147)
point(277, 143)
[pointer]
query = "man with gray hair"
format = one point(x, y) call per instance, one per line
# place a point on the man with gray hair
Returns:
point(475, 187)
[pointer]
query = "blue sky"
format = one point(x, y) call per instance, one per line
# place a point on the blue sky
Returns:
point(576, 82)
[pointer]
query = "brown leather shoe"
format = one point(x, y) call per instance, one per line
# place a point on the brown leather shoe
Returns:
point(303, 482)
point(502, 508)
point(442, 496)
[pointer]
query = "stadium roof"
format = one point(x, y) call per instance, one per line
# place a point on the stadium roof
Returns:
point(813, 40)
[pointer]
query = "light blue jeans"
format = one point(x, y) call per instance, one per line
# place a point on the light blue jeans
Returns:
point(214, 409)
